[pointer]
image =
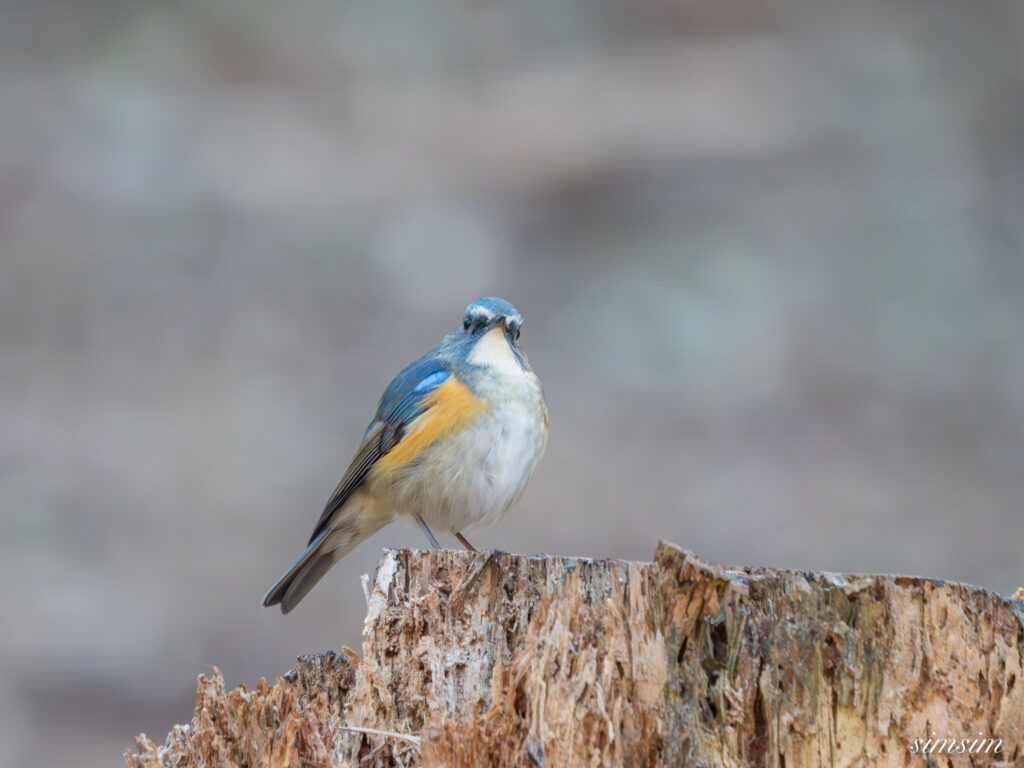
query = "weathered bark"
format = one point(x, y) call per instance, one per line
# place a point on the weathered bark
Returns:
point(554, 661)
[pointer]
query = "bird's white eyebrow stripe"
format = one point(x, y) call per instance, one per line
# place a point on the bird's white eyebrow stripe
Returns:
point(482, 312)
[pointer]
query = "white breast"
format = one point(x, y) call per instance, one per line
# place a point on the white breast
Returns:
point(472, 478)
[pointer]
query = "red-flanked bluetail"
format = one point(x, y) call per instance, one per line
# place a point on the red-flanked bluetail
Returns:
point(456, 436)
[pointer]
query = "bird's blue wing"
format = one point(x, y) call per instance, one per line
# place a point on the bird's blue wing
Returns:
point(402, 401)
point(400, 404)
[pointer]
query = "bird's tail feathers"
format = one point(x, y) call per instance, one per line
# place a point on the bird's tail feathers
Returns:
point(332, 544)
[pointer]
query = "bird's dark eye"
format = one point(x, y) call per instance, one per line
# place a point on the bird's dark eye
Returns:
point(466, 323)
point(517, 333)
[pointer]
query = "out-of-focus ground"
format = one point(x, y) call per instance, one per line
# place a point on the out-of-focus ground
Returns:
point(769, 257)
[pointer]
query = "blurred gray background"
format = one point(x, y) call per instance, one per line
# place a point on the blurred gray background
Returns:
point(769, 257)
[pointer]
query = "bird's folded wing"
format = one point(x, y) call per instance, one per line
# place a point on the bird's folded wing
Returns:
point(405, 399)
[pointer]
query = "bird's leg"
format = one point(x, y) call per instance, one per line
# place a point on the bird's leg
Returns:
point(464, 541)
point(423, 525)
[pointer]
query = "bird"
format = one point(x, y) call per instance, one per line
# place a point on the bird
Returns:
point(456, 436)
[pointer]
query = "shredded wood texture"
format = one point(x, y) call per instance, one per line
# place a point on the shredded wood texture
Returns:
point(508, 660)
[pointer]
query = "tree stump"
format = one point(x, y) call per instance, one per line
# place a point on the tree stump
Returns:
point(492, 659)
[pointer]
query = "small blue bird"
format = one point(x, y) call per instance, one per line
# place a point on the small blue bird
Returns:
point(456, 436)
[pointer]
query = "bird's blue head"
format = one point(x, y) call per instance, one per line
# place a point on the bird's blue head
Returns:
point(489, 338)
point(488, 313)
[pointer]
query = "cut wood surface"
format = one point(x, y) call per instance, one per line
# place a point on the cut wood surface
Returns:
point(497, 659)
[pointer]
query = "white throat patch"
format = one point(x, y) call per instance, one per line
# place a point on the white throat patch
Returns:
point(493, 351)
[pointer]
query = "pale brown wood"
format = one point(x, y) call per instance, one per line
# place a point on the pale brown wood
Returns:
point(497, 659)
